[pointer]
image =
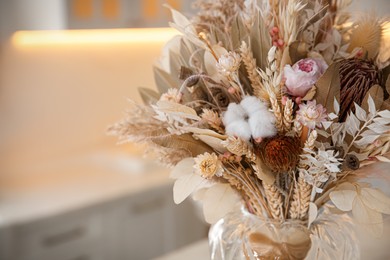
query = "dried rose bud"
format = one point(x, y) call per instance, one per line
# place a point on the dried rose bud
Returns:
point(351, 162)
point(279, 153)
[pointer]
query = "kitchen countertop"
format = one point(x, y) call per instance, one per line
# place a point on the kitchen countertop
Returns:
point(75, 182)
point(196, 251)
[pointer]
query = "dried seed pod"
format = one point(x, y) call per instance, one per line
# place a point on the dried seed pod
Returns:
point(351, 162)
point(220, 97)
point(280, 153)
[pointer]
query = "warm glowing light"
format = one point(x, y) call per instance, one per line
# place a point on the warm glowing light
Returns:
point(68, 37)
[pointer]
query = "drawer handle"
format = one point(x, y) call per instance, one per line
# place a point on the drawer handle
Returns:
point(148, 206)
point(64, 237)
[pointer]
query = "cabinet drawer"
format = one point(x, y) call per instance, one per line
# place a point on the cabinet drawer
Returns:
point(68, 237)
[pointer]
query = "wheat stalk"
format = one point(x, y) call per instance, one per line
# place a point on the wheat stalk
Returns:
point(302, 190)
point(278, 115)
point(251, 68)
point(239, 147)
point(275, 201)
point(297, 128)
point(288, 115)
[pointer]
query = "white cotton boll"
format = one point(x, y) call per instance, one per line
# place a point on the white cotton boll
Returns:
point(234, 112)
point(252, 104)
point(262, 124)
point(239, 128)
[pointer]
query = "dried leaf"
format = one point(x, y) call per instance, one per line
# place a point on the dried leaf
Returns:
point(376, 200)
point(219, 200)
point(373, 99)
point(361, 114)
point(328, 87)
point(310, 95)
point(370, 219)
point(148, 95)
point(297, 51)
point(313, 212)
point(366, 35)
point(263, 172)
point(213, 142)
point(382, 158)
point(313, 19)
point(352, 124)
point(343, 199)
point(163, 80)
point(186, 142)
point(177, 109)
point(260, 42)
point(187, 181)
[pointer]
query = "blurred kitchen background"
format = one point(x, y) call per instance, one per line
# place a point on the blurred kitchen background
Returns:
point(67, 191)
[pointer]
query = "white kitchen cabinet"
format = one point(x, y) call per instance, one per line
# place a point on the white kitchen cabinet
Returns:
point(132, 226)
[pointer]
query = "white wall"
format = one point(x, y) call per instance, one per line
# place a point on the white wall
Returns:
point(31, 15)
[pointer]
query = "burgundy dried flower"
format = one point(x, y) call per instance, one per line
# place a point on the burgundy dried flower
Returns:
point(280, 153)
point(357, 76)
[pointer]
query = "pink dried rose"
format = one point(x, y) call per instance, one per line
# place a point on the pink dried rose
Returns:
point(311, 114)
point(300, 78)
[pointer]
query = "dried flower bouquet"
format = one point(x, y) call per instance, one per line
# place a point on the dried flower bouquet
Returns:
point(278, 105)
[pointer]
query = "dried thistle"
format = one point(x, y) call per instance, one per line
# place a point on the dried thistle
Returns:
point(280, 153)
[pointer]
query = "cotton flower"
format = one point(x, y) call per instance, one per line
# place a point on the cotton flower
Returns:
point(207, 165)
point(250, 118)
point(302, 75)
point(311, 114)
point(172, 95)
point(228, 63)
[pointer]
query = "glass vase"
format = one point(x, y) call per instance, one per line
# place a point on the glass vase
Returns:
point(242, 235)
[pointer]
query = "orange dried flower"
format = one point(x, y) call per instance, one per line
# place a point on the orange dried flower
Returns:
point(280, 153)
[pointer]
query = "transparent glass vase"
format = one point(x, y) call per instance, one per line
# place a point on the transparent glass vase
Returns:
point(241, 235)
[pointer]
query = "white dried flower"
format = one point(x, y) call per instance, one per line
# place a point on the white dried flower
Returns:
point(172, 95)
point(311, 114)
point(212, 118)
point(228, 64)
point(207, 165)
point(322, 165)
point(250, 118)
